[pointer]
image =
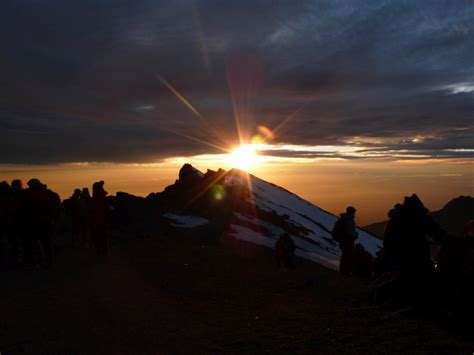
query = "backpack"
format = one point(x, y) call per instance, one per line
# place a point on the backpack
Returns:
point(338, 231)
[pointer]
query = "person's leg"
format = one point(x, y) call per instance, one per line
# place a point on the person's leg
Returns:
point(104, 240)
point(99, 238)
point(29, 246)
point(347, 251)
point(3, 247)
point(45, 240)
point(12, 239)
point(342, 261)
point(94, 233)
point(75, 232)
point(350, 258)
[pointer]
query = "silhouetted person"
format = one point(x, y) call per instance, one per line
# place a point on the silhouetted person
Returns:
point(379, 264)
point(344, 232)
point(42, 206)
point(362, 261)
point(84, 213)
point(74, 210)
point(405, 238)
point(408, 249)
point(98, 218)
point(5, 219)
point(17, 230)
point(285, 251)
point(392, 247)
point(456, 268)
point(468, 267)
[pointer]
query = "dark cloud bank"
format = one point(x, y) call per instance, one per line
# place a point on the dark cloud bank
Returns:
point(80, 81)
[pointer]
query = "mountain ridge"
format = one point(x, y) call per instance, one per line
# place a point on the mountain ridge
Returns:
point(243, 207)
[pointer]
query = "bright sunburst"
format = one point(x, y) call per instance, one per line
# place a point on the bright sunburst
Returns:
point(243, 157)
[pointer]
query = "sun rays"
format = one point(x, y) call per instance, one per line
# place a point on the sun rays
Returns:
point(244, 76)
point(244, 157)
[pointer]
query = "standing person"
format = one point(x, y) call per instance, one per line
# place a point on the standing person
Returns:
point(405, 240)
point(5, 219)
point(42, 207)
point(84, 215)
point(393, 230)
point(98, 218)
point(73, 209)
point(344, 232)
point(408, 250)
point(17, 230)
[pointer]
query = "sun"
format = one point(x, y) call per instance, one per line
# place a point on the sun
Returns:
point(244, 157)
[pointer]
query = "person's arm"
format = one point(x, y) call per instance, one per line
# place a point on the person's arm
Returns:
point(351, 229)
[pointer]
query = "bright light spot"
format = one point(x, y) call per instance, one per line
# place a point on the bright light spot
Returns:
point(244, 157)
point(218, 192)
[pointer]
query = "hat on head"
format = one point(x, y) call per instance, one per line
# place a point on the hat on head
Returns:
point(34, 183)
point(17, 184)
point(350, 209)
point(414, 203)
point(99, 185)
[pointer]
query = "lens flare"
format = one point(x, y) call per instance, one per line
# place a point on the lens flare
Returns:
point(218, 192)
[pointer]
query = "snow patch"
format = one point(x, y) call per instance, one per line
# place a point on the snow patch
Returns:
point(269, 197)
point(186, 221)
point(198, 172)
point(303, 249)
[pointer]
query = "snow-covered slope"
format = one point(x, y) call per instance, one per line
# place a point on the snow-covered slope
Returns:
point(313, 241)
point(181, 221)
point(265, 211)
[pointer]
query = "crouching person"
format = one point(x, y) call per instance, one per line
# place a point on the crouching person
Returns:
point(285, 251)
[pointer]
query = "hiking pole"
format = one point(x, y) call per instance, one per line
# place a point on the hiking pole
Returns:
point(366, 308)
point(387, 316)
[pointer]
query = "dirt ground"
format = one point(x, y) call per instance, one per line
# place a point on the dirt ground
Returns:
point(174, 295)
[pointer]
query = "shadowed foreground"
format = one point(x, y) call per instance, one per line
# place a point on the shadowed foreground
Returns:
point(172, 295)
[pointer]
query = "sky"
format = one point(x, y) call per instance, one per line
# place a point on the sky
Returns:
point(350, 102)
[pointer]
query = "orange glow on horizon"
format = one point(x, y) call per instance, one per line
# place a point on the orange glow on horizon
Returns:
point(244, 157)
point(373, 187)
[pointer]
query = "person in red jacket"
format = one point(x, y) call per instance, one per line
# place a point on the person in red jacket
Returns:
point(99, 218)
point(42, 207)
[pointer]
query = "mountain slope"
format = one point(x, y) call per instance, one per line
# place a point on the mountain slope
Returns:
point(259, 212)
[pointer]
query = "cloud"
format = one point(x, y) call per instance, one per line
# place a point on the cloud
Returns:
point(460, 88)
point(79, 80)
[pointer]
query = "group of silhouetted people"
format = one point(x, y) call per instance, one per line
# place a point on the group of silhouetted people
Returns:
point(89, 217)
point(410, 269)
point(28, 215)
point(77, 208)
